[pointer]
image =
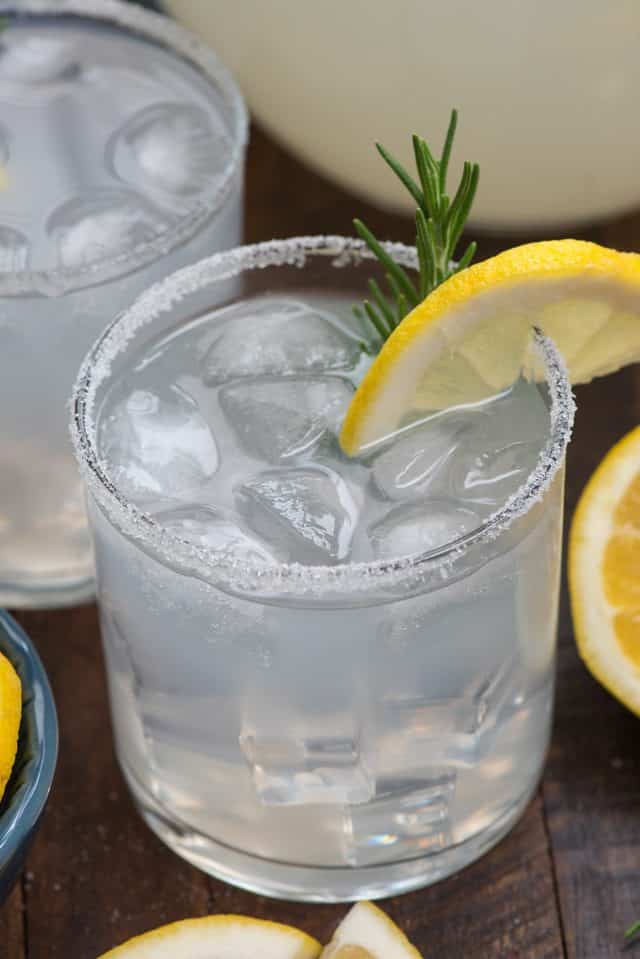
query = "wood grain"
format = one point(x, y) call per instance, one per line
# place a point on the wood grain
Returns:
point(592, 785)
point(12, 944)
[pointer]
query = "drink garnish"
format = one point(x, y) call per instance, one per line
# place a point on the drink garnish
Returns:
point(439, 225)
point(460, 332)
point(469, 338)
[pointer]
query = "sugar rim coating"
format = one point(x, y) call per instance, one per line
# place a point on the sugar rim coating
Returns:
point(177, 40)
point(220, 567)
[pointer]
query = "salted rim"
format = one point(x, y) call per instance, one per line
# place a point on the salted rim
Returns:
point(221, 567)
point(166, 33)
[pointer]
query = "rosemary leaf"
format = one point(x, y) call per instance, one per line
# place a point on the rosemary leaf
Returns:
point(428, 174)
point(396, 291)
point(375, 320)
point(406, 179)
point(403, 307)
point(467, 257)
point(434, 250)
point(424, 260)
point(460, 195)
point(455, 229)
point(446, 149)
point(366, 322)
point(434, 179)
point(384, 308)
point(387, 261)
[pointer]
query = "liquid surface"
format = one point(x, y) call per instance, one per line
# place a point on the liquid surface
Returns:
point(227, 433)
point(106, 142)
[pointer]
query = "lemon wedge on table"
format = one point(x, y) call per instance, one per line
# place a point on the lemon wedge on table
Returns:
point(604, 572)
point(219, 937)
point(468, 338)
point(10, 713)
point(366, 932)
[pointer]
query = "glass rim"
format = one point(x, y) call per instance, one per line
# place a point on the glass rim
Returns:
point(219, 567)
point(165, 32)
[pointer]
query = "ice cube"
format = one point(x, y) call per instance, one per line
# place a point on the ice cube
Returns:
point(288, 770)
point(422, 727)
point(309, 512)
point(102, 225)
point(490, 476)
point(417, 528)
point(14, 250)
point(407, 817)
point(278, 419)
point(176, 147)
point(158, 444)
point(208, 527)
point(417, 458)
point(488, 694)
point(276, 335)
point(33, 59)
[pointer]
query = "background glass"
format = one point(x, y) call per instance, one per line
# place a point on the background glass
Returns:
point(121, 160)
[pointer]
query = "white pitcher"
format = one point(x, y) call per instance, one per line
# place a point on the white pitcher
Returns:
point(548, 93)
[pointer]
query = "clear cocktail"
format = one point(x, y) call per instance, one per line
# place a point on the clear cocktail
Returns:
point(331, 677)
point(121, 158)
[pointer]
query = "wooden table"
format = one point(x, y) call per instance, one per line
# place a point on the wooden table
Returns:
point(566, 882)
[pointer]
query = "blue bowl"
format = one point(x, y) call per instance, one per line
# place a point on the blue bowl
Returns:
point(28, 788)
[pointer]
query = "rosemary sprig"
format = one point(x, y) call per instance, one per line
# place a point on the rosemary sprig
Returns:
point(439, 225)
point(632, 933)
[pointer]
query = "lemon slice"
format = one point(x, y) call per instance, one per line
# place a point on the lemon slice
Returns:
point(219, 937)
point(468, 339)
point(10, 713)
point(367, 933)
point(604, 572)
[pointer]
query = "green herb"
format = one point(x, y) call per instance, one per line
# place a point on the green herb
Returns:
point(632, 932)
point(439, 225)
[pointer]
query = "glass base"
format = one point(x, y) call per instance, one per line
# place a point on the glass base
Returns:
point(47, 594)
point(280, 880)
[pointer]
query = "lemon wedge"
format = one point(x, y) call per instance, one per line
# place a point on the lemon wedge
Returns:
point(219, 937)
point(604, 572)
point(366, 932)
point(10, 713)
point(468, 338)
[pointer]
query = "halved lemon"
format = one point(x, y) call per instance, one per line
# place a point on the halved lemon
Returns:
point(604, 572)
point(468, 339)
point(219, 937)
point(366, 932)
point(10, 713)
